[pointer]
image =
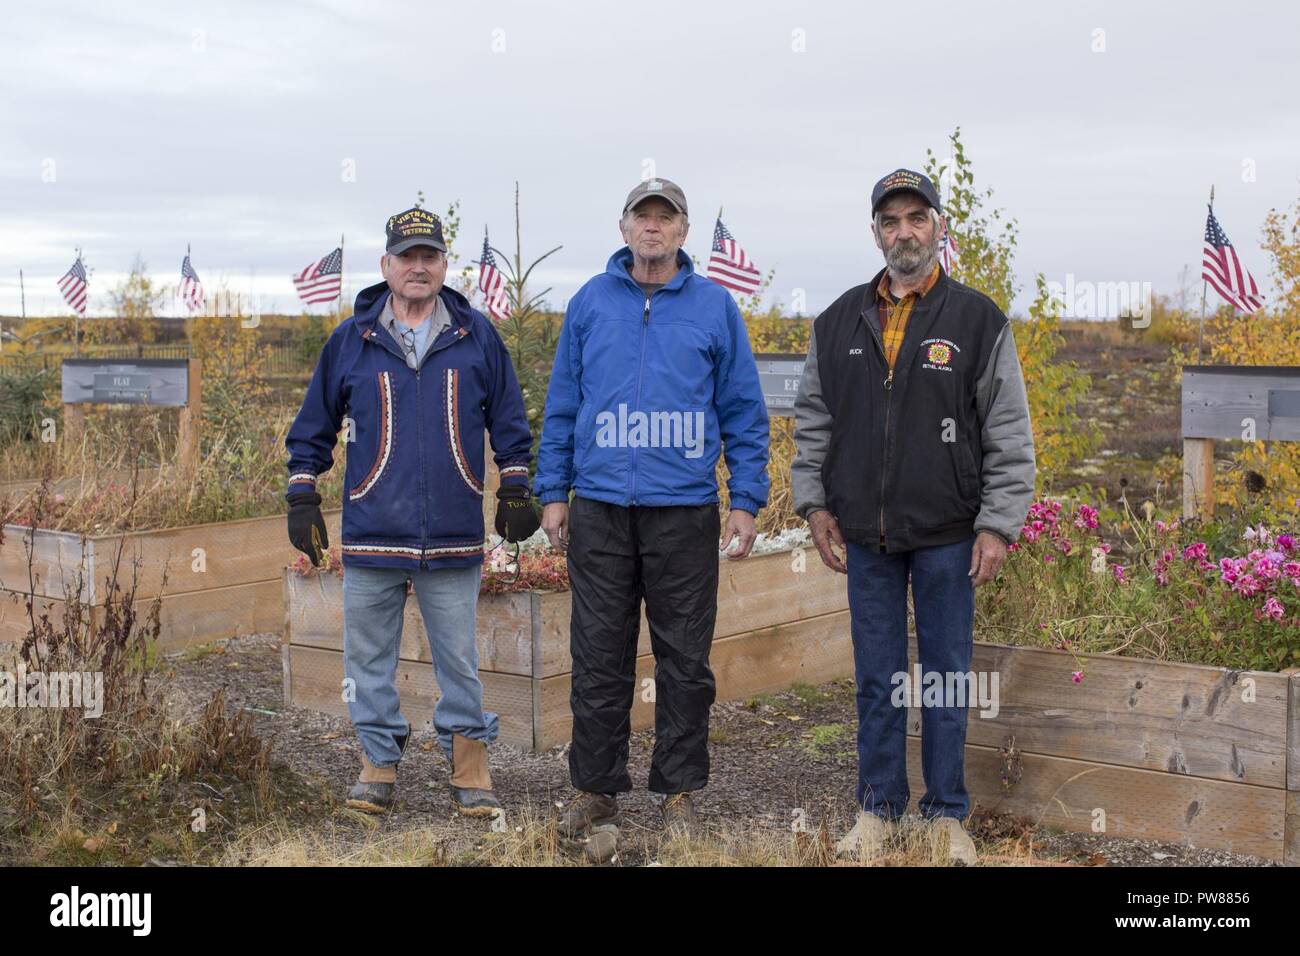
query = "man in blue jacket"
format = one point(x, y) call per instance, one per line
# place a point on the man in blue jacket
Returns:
point(416, 375)
point(653, 378)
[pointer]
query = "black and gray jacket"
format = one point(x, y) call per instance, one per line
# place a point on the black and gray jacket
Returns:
point(930, 455)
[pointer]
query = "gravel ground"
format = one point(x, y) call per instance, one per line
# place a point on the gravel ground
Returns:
point(769, 757)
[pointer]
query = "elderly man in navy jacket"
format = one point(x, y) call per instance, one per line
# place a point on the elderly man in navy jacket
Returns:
point(417, 375)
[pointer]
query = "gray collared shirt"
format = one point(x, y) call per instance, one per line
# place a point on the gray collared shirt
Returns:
point(415, 342)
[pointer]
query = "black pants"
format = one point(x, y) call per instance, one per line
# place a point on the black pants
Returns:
point(616, 556)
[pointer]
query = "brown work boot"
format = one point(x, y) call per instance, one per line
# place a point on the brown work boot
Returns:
point(471, 784)
point(585, 811)
point(679, 815)
point(373, 791)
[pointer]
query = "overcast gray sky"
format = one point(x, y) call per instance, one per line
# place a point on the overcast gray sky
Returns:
point(229, 125)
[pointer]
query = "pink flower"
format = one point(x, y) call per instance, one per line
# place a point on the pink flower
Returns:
point(1160, 527)
point(1064, 545)
point(1087, 517)
point(1198, 550)
point(1247, 585)
point(1118, 571)
point(1291, 569)
point(1286, 543)
point(1077, 677)
point(1273, 608)
point(1049, 558)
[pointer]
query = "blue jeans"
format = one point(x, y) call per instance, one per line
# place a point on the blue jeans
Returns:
point(374, 600)
point(943, 598)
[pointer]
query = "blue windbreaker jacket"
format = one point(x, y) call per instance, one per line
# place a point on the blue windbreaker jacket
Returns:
point(632, 381)
point(413, 486)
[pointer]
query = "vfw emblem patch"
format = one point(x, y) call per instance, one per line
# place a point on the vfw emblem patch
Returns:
point(939, 354)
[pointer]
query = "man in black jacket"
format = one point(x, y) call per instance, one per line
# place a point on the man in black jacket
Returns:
point(915, 457)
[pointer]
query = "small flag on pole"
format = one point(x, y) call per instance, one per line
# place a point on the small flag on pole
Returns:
point(73, 285)
point(191, 287)
point(947, 251)
point(728, 264)
point(492, 283)
point(1221, 268)
point(322, 280)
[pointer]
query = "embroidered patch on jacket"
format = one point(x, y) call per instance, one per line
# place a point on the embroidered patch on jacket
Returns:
point(939, 354)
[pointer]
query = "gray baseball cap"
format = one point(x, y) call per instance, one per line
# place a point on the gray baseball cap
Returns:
point(663, 188)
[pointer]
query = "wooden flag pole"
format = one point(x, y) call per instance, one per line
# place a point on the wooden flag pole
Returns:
point(340, 306)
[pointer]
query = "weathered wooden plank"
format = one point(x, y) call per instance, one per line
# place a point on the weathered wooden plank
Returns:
point(1225, 401)
point(1293, 730)
point(14, 624)
point(1138, 804)
point(231, 552)
point(763, 661)
point(1156, 715)
point(504, 624)
point(198, 617)
point(57, 559)
point(1291, 841)
point(316, 684)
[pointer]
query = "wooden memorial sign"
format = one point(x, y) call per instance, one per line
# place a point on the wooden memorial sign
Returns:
point(171, 382)
point(1232, 402)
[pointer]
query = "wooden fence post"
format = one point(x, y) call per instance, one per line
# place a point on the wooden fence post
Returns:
point(1198, 478)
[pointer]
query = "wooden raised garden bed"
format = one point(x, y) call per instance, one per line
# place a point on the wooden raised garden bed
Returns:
point(234, 590)
point(1179, 753)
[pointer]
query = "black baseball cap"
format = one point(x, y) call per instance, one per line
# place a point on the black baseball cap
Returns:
point(415, 227)
point(905, 180)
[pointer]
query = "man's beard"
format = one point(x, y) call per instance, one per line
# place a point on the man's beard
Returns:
point(911, 257)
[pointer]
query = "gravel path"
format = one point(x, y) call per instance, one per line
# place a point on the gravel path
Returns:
point(769, 757)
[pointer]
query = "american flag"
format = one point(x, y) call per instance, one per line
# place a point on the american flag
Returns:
point(492, 283)
point(191, 287)
point(322, 280)
point(73, 286)
point(728, 264)
point(947, 251)
point(1221, 268)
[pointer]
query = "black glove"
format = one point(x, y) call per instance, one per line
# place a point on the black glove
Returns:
point(516, 517)
point(307, 525)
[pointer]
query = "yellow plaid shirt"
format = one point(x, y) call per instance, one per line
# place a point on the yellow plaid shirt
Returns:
point(894, 315)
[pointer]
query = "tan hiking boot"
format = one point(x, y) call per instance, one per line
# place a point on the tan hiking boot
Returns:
point(375, 786)
point(586, 811)
point(950, 841)
point(680, 819)
point(866, 840)
point(373, 791)
point(471, 784)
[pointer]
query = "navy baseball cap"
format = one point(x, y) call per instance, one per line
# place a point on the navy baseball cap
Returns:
point(904, 180)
